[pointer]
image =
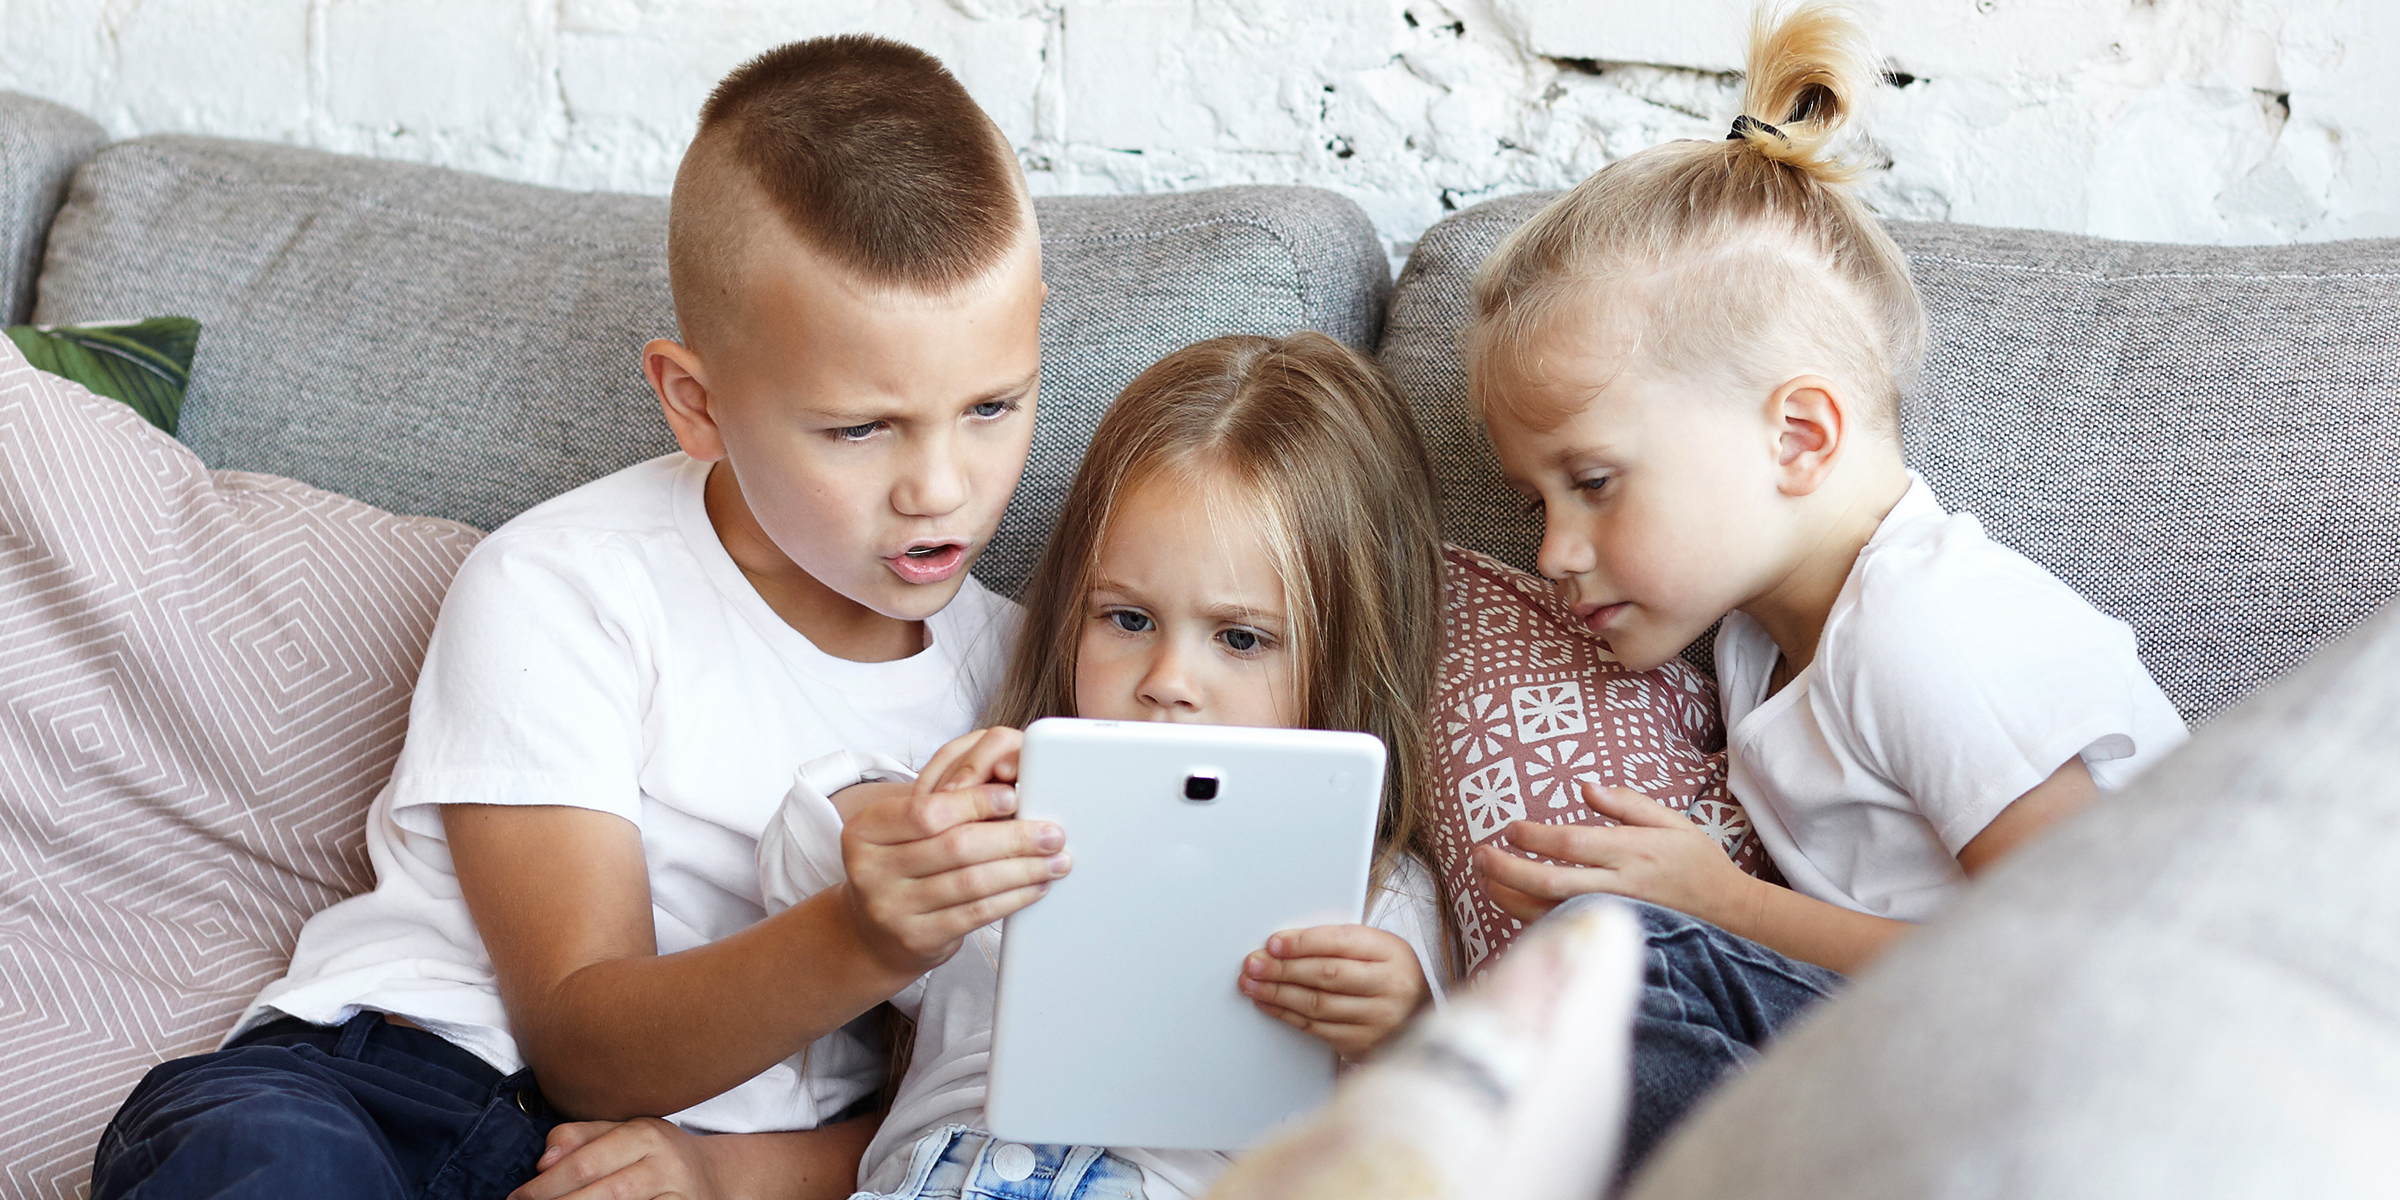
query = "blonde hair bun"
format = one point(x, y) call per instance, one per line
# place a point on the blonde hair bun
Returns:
point(1808, 71)
point(1742, 260)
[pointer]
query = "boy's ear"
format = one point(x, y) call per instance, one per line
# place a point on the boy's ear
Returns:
point(1810, 416)
point(677, 376)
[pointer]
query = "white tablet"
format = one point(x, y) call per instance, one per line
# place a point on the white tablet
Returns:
point(1120, 1022)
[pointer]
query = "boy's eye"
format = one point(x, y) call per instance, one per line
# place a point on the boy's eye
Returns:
point(1129, 620)
point(857, 433)
point(1593, 484)
point(993, 408)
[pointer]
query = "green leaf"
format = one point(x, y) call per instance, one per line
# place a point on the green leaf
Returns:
point(146, 364)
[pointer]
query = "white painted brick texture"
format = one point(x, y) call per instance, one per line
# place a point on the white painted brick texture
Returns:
point(2170, 120)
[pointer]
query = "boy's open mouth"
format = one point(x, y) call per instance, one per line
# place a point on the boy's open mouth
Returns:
point(930, 563)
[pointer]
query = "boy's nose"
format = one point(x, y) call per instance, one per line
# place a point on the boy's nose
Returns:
point(935, 485)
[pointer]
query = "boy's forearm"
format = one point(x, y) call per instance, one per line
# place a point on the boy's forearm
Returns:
point(1808, 929)
point(812, 1164)
point(651, 1035)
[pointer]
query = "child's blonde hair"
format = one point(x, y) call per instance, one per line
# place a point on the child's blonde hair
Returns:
point(1322, 441)
point(1744, 260)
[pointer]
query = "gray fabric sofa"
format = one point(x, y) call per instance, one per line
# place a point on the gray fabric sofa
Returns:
point(2200, 439)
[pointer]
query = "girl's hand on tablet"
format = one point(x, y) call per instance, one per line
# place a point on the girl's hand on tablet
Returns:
point(928, 867)
point(984, 756)
point(1350, 986)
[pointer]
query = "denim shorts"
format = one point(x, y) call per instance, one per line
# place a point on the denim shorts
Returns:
point(958, 1163)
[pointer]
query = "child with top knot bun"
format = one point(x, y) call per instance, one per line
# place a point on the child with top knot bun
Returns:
point(1692, 365)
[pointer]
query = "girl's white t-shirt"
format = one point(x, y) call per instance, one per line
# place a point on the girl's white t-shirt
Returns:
point(603, 651)
point(1953, 675)
point(953, 1005)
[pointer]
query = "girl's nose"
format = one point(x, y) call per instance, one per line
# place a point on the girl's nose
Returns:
point(1167, 685)
point(1563, 554)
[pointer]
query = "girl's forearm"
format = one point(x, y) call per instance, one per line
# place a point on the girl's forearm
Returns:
point(1807, 929)
point(649, 1035)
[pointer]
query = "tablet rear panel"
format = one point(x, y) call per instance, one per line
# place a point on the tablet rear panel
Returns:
point(1119, 1020)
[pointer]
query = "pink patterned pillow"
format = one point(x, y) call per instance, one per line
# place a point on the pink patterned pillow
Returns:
point(1528, 705)
point(204, 678)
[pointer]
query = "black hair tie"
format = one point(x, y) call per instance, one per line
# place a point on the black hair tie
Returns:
point(1745, 123)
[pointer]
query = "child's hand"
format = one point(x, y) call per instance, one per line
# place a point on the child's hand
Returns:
point(984, 756)
point(1351, 986)
point(629, 1159)
point(933, 864)
point(1654, 853)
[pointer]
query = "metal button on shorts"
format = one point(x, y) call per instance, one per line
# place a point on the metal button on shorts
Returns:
point(1012, 1162)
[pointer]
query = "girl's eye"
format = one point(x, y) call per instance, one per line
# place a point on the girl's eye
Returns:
point(1594, 484)
point(1129, 620)
point(1243, 641)
point(993, 408)
point(857, 433)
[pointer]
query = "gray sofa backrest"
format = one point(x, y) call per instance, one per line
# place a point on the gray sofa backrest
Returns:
point(442, 343)
point(40, 145)
point(2202, 440)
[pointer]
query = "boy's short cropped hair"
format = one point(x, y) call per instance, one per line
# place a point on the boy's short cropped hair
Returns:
point(869, 150)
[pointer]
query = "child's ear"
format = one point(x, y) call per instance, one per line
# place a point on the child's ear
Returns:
point(1810, 416)
point(677, 376)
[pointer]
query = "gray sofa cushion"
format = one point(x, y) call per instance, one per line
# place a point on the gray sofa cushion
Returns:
point(40, 144)
point(2201, 440)
point(2192, 991)
point(436, 342)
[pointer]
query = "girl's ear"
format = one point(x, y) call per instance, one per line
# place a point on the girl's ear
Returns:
point(676, 374)
point(1810, 419)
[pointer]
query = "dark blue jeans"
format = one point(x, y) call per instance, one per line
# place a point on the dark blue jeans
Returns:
point(1709, 1001)
point(366, 1110)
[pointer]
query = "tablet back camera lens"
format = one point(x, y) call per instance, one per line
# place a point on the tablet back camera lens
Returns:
point(1200, 785)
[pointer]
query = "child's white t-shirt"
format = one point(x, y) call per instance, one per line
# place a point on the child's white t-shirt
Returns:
point(1953, 675)
point(603, 651)
point(953, 1006)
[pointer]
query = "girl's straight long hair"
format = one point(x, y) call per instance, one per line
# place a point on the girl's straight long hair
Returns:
point(1322, 444)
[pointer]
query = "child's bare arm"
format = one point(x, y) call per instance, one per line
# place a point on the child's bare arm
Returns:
point(649, 1158)
point(1351, 986)
point(1655, 854)
point(614, 1029)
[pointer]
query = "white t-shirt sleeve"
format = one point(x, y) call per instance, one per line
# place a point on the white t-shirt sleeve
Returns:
point(532, 686)
point(1409, 905)
point(1967, 689)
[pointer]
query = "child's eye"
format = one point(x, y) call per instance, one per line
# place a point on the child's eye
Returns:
point(993, 408)
point(1130, 621)
point(857, 433)
point(1244, 641)
point(1593, 484)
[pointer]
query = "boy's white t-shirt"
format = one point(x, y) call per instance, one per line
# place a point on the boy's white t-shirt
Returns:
point(603, 651)
point(953, 1007)
point(1953, 675)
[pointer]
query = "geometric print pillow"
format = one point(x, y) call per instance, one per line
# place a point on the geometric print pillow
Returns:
point(1528, 706)
point(204, 678)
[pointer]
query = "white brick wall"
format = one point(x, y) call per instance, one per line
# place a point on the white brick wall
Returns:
point(2173, 120)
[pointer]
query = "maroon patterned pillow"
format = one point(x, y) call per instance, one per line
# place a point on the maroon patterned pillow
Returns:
point(1528, 705)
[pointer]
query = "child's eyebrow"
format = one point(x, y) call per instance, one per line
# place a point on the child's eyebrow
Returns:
point(1243, 614)
point(864, 416)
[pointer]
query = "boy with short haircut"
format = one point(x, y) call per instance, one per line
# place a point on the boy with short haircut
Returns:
point(1692, 363)
point(626, 681)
